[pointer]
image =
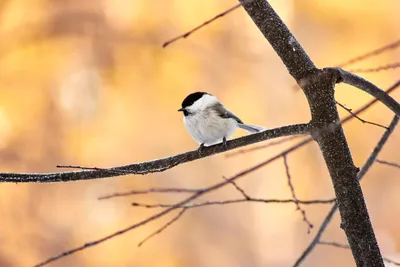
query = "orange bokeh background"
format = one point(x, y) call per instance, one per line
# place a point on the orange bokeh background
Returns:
point(88, 83)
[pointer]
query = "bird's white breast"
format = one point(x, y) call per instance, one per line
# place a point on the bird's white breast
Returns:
point(209, 128)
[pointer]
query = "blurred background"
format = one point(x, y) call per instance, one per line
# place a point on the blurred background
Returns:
point(88, 83)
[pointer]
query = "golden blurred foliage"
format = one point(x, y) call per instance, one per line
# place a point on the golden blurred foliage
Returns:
point(88, 83)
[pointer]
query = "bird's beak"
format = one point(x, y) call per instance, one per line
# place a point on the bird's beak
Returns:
point(181, 109)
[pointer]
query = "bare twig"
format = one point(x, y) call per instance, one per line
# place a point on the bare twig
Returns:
point(376, 52)
point(395, 86)
point(158, 165)
point(238, 188)
point(367, 165)
point(234, 201)
point(358, 118)
point(187, 34)
point(368, 87)
point(164, 227)
point(377, 69)
point(176, 206)
point(388, 163)
point(148, 191)
point(269, 144)
point(339, 245)
point(296, 201)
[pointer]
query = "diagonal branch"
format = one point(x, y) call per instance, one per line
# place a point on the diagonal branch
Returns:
point(367, 165)
point(176, 206)
point(174, 219)
point(358, 118)
point(368, 87)
point(384, 162)
point(187, 34)
point(375, 52)
point(296, 201)
point(158, 165)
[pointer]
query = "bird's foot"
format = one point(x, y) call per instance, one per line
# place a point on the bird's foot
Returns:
point(200, 149)
point(224, 143)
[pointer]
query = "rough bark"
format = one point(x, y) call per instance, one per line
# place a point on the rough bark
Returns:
point(318, 87)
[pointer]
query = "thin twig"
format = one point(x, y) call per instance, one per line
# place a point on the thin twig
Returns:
point(296, 201)
point(148, 191)
point(176, 206)
point(238, 188)
point(388, 163)
point(368, 87)
point(358, 118)
point(234, 201)
point(377, 69)
point(164, 227)
point(269, 144)
point(187, 34)
point(367, 165)
point(339, 245)
point(375, 52)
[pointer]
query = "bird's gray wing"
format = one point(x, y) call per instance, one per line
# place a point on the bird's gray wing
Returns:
point(224, 113)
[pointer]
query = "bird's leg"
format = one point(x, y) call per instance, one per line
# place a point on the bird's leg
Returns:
point(224, 143)
point(200, 149)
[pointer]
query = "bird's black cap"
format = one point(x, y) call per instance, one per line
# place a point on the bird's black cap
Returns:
point(190, 99)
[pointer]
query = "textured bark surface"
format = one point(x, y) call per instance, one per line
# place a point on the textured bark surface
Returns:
point(318, 86)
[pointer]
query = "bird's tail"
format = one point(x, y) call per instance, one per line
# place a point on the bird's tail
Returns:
point(251, 128)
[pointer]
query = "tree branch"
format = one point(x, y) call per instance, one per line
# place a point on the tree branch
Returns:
point(384, 162)
point(234, 201)
point(338, 245)
point(318, 87)
point(367, 165)
point(375, 52)
point(358, 118)
point(377, 69)
point(368, 87)
point(187, 34)
point(158, 165)
point(296, 201)
point(176, 206)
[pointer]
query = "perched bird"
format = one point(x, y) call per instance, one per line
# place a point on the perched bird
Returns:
point(209, 122)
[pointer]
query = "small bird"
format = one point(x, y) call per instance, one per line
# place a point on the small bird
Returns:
point(209, 122)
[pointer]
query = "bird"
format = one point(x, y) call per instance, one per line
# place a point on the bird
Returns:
point(209, 122)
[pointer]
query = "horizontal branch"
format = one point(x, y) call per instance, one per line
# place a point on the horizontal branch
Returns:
point(234, 201)
point(176, 206)
point(391, 66)
point(368, 87)
point(158, 165)
point(339, 245)
point(148, 191)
